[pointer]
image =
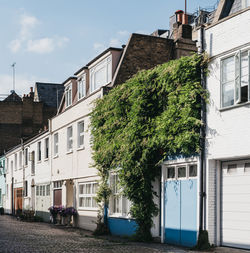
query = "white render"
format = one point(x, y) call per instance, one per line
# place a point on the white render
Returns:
point(228, 129)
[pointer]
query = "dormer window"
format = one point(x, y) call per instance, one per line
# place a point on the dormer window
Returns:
point(68, 95)
point(100, 74)
point(82, 87)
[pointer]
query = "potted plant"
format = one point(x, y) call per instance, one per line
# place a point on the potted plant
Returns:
point(53, 213)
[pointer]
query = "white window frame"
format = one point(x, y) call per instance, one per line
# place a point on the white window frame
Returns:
point(56, 142)
point(46, 148)
point(80, 135)
point(81, 83)
point(237, 79)
point(26, 158)
point(69, 139)
point(68, 95)
point(15, 161)
point(176, 166)
point(39, 151)
point(117, 198)
point(91, 195)
point(20, 160)
point(105, 63)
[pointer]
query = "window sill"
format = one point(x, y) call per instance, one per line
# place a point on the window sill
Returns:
point(46, 159)
point(56, 156)
point(69, 152)
point(80, 148)
point(234, 106)
point(119, 216)
point(39, 161)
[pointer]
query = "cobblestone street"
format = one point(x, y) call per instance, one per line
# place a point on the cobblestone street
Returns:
point(17, 236)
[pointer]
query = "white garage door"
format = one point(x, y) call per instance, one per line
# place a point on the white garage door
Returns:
point(235, 204)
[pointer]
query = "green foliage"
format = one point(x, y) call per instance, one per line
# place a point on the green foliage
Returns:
point(154, 115)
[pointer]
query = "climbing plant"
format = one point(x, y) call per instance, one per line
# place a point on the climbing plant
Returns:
point(138, 124)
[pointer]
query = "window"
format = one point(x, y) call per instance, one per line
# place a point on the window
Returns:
point(87, 193)
point(235, 79)
point(100, 74)
point(39, 152)
point(15, 161)
point(46, 148)
point(82, 87)
point(11, 165)
point(69, 138)
point(181, 172)
point(56, 144)
point(80, 130)
point(32, 158)
point(192, 170)
point(42, 190)
point(7, 190)
point(58, 184)
point(68, 95)
point(0, 196)
point(20, 159)
point(26, 157)
point(171, 172)
point(25, 194)
point(119, 205)
point(37, 190)
point(47, 190)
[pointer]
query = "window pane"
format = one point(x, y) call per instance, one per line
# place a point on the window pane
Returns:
point(192, 170)
point(88, 188)
point(228, 70)
point(171, 172)
point(37, 190)
point(100, 77)
point(48, 190)
point(181, 172)
point(228, 94)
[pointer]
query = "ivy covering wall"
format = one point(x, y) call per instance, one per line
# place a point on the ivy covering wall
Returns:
point(138, 124)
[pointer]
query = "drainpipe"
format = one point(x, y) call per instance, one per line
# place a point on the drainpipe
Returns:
point(202, 140)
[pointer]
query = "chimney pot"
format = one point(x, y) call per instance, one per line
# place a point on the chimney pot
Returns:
point(179, 16)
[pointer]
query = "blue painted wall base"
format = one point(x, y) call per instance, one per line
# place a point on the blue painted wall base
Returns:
point(122, 227)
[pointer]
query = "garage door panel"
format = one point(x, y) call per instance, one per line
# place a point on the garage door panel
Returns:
point(236, 189)
point(235, 179)
point(242, 216)
point(234, 197)
point(235, 207)
point(235, 224)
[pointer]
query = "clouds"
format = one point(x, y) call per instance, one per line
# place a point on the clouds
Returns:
point(23, 82)
point(25, 40)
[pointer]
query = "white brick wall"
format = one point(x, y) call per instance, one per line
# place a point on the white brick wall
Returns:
point(228, 131)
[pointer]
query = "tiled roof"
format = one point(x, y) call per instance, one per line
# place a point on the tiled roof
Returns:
point(49, 93)
point(13, 97)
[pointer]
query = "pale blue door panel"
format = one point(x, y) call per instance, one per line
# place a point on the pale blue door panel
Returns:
point(172, 212)
point(188, 212)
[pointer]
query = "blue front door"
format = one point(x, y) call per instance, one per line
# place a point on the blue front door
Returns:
point(181, 212)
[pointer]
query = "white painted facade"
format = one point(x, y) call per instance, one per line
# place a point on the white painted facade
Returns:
point(228, 126)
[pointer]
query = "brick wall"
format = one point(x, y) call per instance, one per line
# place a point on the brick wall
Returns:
point(21, 120)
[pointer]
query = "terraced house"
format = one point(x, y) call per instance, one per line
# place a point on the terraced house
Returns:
point(55, 167)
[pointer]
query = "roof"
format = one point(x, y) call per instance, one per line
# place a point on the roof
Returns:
point(97, 57)
point(13, 97)
point(49, 93)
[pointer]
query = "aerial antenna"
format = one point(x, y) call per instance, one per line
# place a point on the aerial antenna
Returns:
point(13, 66)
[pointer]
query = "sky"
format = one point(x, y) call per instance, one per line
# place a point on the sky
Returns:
point(49, 40)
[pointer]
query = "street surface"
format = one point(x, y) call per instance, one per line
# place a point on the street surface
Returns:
point(18, 236)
